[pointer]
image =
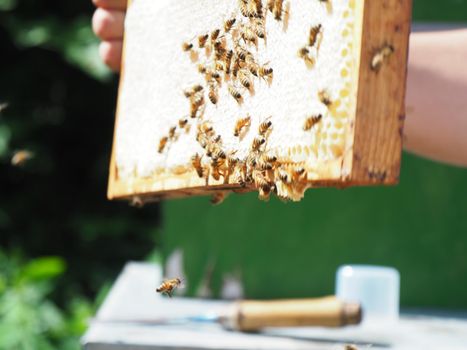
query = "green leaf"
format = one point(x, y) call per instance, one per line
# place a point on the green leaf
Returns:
point(43, 268)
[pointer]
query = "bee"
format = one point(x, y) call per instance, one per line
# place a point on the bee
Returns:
point(241, 125)
point(299, 173)
point(172, 132)
point(235, 94)
point(264, 192)
point(264, 127)
point(205, 128)
point(243, 78)
point(257, 143)
point(202, 39)
point(324, 97)
point(168, 286)
point(193, 90)
point(284, 176)
point(277, 10)
point(219, 197)
point(260, 180)
point(253, 68)
point(314, 33)
point(265, 72)
point(228, 61)
point(187, 46)
point(213, 77)
point(243, 4)
point(259, 28)
point(311, 121)
point(270, 5)
point(216, 165)
point(229, 24)
point(213, 94)
point(218, 153)
point(305, 54)
point(259, 8)
point(182, 123)
point(196, 162)
point(248, 35)
point(202, 68)
point(328, 5)
point(350, 347)
point(242, 53)
point(137, 202)
point(269, 158)
point(380, 56)
point(215, 34)
point(20, 158)
point(162, 144)
point(263, 164)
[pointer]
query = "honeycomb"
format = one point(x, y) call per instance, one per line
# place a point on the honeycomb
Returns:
point(236, 95)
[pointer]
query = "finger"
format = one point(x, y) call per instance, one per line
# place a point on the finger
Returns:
point(111, 53)
point(111, 4)
point(108, 24)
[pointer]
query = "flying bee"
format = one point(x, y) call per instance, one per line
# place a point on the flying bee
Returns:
point(20, 158)
point(187, 46)
point(241, 125)
point(315, 32)
point(220, 66)
point(182, 123)
point(265, 72)
point(172, 132)
point(253, 68)
point(196, 162)
point(218, 197)
point(213, 97)
point(380, 56)
point(168, 286)
point(243, 4)
point(162, 144)
point(202, 39)
point(233, 91)
point(213, 77)
point(244, 80)
point(252, 8)
point(193, 90)
point(257, 143)
point(229, 24)
point(259, 8)
point(242, 53)
point(311, 121)
point(324, 97)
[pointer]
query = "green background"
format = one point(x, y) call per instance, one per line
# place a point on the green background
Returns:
point(294, 249)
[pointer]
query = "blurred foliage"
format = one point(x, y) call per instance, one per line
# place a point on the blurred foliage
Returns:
point(30, 320)
point(60, 107)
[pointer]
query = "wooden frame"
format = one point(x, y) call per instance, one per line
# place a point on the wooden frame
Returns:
point(374, 137)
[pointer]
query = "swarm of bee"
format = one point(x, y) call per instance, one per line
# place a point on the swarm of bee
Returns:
point(229, 60)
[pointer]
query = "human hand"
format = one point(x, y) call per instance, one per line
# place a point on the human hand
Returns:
point(107, 23)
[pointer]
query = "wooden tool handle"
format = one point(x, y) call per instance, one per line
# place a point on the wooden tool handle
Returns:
point(325, 312)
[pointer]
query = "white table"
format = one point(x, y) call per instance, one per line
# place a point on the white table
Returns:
point(133, 297)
